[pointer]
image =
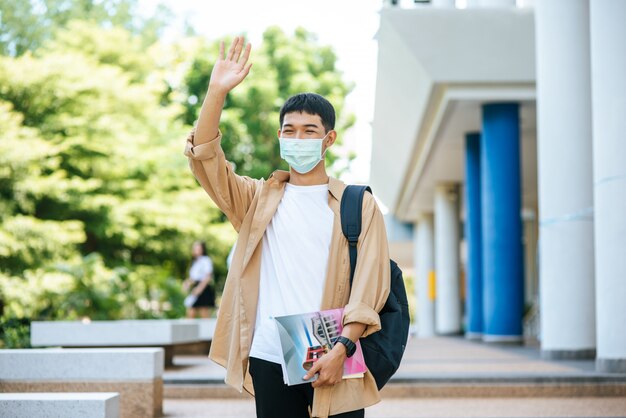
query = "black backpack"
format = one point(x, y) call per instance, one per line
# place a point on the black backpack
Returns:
point(382, 350)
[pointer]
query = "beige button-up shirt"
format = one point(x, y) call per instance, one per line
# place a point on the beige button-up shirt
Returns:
point(250, 205)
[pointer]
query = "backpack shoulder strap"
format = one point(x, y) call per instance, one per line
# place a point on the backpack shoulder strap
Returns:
point(351, 208)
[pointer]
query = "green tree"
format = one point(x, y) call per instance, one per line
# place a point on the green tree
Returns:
point(27, 24)
point(282, 66)
point(98, 208)
point(93, 184)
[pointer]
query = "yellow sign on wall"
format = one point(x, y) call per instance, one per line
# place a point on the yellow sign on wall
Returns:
point(432, 294)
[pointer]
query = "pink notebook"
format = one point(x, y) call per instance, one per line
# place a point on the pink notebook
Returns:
point(304, 338)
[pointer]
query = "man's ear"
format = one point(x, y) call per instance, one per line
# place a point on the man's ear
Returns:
point(278, 133)
point(331, 138)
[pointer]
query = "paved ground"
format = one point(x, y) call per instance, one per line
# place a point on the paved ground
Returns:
point(430, 358)
point(419, 408)
point(458, 357)
point(435, 360)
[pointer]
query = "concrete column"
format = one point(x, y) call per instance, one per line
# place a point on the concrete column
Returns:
point(608, 65)
point(447, 236)
point(425, 275)
point(503, 278)
point(473, 238)
point(530, 228)
point(565, 179)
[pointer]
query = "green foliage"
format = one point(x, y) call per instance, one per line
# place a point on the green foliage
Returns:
point(89, 289)
point(282, 66)
point(28, 24)
point(14, 333)
point(25, 241)
point(98, 208)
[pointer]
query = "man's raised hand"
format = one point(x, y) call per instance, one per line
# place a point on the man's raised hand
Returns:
point(230, 69)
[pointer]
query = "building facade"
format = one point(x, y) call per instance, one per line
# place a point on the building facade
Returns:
point(498, 133)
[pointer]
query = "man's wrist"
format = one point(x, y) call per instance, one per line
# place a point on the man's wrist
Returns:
point(341, 349)
point(349, 345)
point(217, 91)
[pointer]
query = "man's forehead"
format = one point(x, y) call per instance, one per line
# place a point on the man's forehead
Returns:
point(301, 118)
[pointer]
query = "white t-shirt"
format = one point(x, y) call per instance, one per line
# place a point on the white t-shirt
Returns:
point(201, 267)
point(294, 258)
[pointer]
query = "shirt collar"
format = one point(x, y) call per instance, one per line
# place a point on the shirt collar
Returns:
point(335, 186)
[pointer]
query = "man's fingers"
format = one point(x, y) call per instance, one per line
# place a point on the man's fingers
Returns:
point(246, 54)
point(314, 369)
point(309, 374)
point(221, 56)
point(322, 381)
point(238, 49)
point(318, 382)
point(231, 51)
point(246, 70)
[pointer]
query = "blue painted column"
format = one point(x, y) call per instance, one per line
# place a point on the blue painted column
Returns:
point(473, 236)
point(503, 279)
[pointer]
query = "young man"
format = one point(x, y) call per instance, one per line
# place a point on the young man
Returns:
point(291, 256)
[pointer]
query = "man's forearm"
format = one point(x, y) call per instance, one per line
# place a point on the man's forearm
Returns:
point(353, 330)
point(209, 119)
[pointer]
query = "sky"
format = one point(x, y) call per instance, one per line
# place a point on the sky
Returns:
point(349, 26)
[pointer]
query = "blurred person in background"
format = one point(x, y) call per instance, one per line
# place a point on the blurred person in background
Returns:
point(199, 284)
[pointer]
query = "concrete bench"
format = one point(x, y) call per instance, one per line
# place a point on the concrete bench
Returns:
point(206, 327)
point(67, 405)
point(136, 373)
point(122, 333)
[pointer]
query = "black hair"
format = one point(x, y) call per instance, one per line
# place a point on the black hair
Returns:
point(313, 104)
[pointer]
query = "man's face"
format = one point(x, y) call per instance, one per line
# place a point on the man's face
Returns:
point(306, 126)
point(302, 126)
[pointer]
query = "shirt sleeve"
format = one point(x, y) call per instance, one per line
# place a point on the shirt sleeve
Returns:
point(371, 284)
point(232, 193)
point(208, 267)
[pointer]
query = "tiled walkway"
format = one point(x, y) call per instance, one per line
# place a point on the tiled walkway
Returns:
point(429, 358)
point(420, 408)
point(457, 357)
point(454, 365)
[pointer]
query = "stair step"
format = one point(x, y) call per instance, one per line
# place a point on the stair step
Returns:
point(497, 387)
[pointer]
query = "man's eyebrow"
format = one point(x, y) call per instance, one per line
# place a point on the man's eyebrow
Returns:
point(308, 125)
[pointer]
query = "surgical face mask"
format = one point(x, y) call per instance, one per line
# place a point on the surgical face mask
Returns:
point(301, 154)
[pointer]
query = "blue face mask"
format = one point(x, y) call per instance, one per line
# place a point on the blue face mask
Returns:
point(301, 154)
